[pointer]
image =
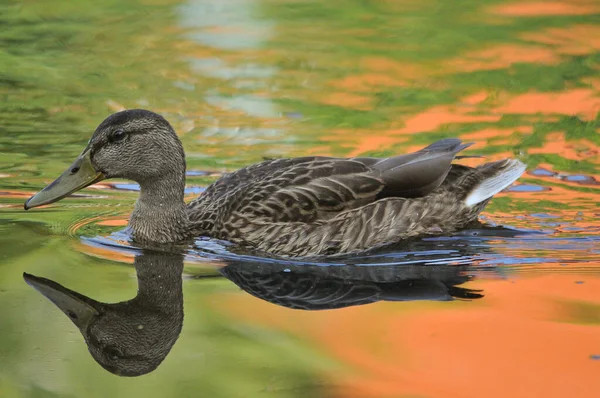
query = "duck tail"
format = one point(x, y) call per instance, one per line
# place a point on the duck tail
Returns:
point(497, 176)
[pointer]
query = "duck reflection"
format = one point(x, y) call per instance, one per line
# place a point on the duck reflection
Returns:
point(420, 269)
point(133, 337)
point(314, 287)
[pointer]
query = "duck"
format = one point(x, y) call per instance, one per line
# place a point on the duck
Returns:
point(289, 207)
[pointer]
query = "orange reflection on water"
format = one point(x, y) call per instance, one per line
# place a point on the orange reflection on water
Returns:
point(582, 102)
point(15, 194)
point(498, 136)
point(113, 223)
point(373, 144)
point(572, 150)
point(541, 8)
point(367, 81)
point(594, 82)
point(501, 57)
point(383, 65)
point(348, 100)
point(577, 39)
point(433, 118)
point(105, 253)
point(521, 334)
point(381, 72)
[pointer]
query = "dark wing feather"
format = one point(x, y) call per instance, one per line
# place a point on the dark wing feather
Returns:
point(308, 191)
point(419, 173)
point(315, 189)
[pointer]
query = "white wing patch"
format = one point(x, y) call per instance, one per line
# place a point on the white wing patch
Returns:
point(491, 186)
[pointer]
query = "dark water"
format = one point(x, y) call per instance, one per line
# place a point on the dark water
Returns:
point(509, 308)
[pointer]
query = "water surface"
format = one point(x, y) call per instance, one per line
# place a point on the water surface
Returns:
point(510, 308)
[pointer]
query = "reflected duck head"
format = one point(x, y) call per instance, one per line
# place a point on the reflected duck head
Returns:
point(129, 338)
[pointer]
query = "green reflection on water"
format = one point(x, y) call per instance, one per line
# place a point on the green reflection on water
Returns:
point(63, 67)
point(238, 82)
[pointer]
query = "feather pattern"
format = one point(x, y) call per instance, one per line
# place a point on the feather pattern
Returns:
point(321, 205)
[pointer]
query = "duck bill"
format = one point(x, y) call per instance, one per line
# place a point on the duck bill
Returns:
point(80, 309)
point(78, 176)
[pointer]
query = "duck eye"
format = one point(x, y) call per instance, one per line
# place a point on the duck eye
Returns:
point(117, 135)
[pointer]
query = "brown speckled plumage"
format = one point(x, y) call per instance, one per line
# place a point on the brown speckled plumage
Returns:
point(296, 207)
point(283, 208)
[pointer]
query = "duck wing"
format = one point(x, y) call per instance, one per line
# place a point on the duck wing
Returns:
point(416, 174)
point(309, 190)
point(313, 189)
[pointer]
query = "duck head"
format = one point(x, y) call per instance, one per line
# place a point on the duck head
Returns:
point(136, 144)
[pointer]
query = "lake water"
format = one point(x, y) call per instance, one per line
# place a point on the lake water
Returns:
point(508, 309)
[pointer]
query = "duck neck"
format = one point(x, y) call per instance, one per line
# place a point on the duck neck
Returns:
point(160, 212)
